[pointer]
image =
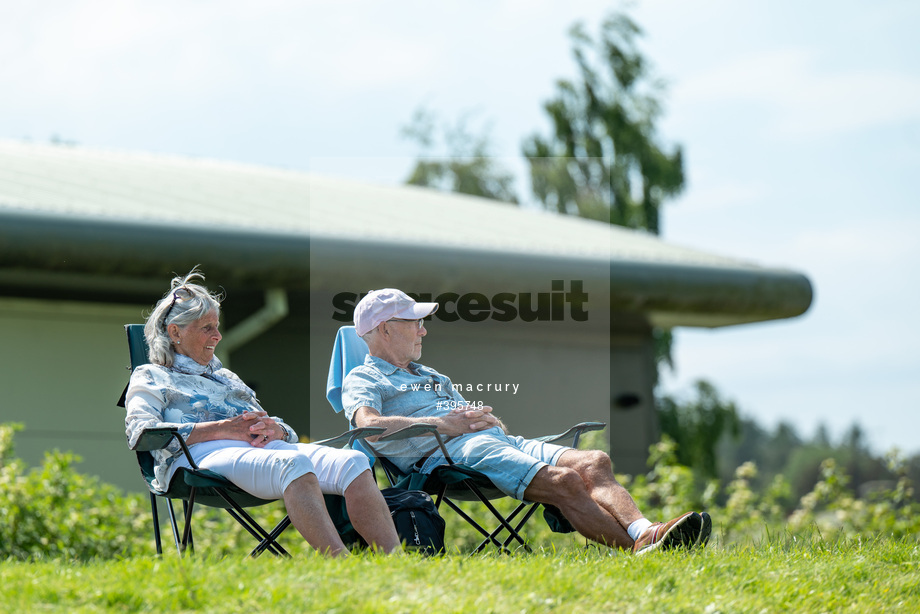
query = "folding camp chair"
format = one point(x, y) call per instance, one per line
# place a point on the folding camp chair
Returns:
point(201, 486)
point(451, 482)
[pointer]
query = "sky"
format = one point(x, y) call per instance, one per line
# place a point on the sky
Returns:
point(799, 123)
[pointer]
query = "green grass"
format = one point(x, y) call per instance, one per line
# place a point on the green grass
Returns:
point(778, 575)
point(73, 544)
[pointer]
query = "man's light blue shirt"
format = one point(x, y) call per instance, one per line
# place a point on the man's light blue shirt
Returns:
point(418, 392)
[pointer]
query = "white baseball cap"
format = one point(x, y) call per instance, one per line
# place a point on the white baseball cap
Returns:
point(382, 305)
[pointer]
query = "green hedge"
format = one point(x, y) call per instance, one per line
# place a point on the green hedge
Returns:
point(54, 511)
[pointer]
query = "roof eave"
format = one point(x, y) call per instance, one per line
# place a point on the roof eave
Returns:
point(670, 294)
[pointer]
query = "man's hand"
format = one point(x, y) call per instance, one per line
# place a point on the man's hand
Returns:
point(463, 420)
point(479, 419)
point(459, 421)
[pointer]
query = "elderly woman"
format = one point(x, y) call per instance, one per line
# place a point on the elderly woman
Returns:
point(228, 432)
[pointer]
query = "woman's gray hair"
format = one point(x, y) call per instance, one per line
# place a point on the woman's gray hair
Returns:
point(186, 302)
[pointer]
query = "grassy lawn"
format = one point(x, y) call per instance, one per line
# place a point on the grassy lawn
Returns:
point(72, 544)
point(780, 575)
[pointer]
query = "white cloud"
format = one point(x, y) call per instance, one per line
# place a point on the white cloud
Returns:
point(804, 98)
point(371, 61)
point(713, 195)
point(882, 247)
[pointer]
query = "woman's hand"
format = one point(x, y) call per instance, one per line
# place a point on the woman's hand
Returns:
point(252, 426)
point(261, 428)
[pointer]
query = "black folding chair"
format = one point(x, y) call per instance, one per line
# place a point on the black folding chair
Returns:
point(457, 482)
point(200, 486)
point(454, 481)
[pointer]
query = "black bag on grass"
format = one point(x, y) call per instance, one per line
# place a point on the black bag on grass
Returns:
point(418, 523)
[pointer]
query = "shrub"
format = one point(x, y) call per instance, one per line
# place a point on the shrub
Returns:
point(831, 507)
point(54, 511)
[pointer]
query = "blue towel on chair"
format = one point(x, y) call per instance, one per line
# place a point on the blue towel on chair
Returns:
point(349, 352)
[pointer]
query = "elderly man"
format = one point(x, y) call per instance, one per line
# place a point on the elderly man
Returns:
point(392, 390)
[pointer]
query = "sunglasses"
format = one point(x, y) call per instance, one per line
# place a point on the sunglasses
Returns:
point(419, 323)
point(175, 296)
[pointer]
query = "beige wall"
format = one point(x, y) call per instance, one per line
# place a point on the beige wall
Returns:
point(62, 368)
point(633, 428)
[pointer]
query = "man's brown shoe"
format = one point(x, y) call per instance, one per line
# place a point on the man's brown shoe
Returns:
point(682, 531)
point(705, 530)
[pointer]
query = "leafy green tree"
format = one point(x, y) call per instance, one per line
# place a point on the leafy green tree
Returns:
point(698, 425)
point(468, 167)
point(822, 437)
point(602, 160)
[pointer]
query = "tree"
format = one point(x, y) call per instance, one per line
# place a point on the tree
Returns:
point(468, 167)
point(698, 425)
point(602, 160)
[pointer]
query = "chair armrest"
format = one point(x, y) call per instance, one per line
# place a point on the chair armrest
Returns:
point(349, 437)
point(155, 438)
point(417, 430)
point(575, 432)
point(413, 430)
point(158, 438)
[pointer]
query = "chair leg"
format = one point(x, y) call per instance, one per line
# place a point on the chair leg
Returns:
point(504, 524)
point(266, 540)
point(270, 544)
point(187, 507)
point(532, 507)
point(175, 525)
point(512, 534)
point(473, 524)
point(156, 524)
point(188, 542)
point(494, 534)
point(501, 519)
point(440, 496)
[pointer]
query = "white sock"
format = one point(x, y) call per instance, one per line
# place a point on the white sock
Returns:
point(638, 527)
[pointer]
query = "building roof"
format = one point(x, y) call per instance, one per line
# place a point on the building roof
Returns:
point(68, 211)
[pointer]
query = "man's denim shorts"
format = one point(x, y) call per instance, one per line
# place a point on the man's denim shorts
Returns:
point(509, 461)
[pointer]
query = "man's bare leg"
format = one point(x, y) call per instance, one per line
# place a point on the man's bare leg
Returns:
point(564, 488)
point(596, 470)
point(598, 486)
